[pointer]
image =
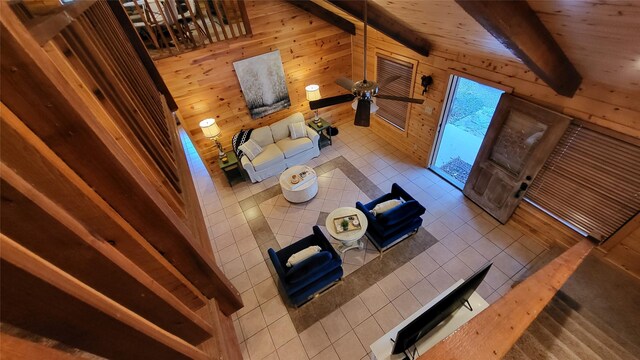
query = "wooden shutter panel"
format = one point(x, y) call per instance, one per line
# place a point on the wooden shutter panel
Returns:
point(392, 111)
point(591, 181)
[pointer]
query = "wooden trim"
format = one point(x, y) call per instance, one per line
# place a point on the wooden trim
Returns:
point(518, 28)
point(37, 93)
point(630, 226)
point(492, 333)
point(388, 24)
point(324, 14)
point(81, 308)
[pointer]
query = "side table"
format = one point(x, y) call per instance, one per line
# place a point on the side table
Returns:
point(231, 168)
point(322, 129)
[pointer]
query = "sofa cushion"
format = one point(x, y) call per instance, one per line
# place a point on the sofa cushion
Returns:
point(280, 129)
point(251, 149)
point(291, 148)
point(298, 130)
point(262, 136)
point(270, 156)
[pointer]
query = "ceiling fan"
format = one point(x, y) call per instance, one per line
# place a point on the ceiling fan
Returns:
point(364, 90)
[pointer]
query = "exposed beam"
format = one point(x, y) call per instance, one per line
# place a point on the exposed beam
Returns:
point(518, 28)
point(326, 15)
point(388, 24)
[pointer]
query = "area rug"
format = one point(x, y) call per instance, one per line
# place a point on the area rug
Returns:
point(353, 283)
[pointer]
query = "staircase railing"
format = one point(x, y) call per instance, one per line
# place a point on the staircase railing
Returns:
point(492, 333)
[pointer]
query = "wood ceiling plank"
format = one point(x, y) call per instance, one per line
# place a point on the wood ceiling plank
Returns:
point(518, 28)
point(324, 14)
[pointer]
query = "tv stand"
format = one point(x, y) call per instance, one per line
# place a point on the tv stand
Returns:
point(381, 349)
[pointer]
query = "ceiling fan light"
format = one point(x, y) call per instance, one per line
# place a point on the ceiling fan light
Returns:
point(372, 110)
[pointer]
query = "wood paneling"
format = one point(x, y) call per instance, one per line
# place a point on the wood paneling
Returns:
point(204, 83)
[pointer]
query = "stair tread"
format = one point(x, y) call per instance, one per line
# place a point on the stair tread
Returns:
point(516, 354)
point(599, 330)
point(551, 342)
point(533, 348)
point(560, 333)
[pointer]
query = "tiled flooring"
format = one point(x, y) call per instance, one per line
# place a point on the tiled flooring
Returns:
point(467, 236)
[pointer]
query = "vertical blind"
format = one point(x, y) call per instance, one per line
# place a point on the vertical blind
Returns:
point(591, 181)
point(392, 111)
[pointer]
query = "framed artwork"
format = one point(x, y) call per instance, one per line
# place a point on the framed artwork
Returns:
point(263, 84)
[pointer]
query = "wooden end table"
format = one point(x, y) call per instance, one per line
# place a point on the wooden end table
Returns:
point(231, 169)
point(322, 128)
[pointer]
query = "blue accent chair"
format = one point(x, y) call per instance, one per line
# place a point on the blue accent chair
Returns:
point(302, 281)
point(387, 228)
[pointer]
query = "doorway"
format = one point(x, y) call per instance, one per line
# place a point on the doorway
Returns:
point(469, 107)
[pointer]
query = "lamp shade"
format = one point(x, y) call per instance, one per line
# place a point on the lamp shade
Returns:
point(313, 92)
point(210, 128)
point(372, 109)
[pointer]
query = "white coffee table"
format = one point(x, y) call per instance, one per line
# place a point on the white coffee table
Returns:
point(349, 239)
point(303, 191)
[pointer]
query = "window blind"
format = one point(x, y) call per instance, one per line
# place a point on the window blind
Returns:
point(591, 181)
point(392, 111)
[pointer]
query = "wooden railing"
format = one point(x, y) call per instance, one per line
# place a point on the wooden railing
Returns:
point(492, 333)
point(170, 27)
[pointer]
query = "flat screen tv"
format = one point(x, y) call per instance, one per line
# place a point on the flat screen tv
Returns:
point(433, 316)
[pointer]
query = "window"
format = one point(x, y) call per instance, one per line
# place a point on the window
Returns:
point(394, 112)
point(591, 180)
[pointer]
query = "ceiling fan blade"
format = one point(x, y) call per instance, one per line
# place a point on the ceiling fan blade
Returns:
point(389, 80)
point(363, 114)
point(400, 98)
point(317, 104)
point(345, 83)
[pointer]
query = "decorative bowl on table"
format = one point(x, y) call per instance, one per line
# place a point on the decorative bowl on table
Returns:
point(295, 179)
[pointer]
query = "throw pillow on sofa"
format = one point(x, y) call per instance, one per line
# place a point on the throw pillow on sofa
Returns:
point(297, 130)
point(302, 255)
point(251, 149)
point(385, 206)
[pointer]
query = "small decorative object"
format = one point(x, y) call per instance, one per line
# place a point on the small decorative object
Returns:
point(345, 224)
point(211, 131)
point(225, 160)
point(355, 222)
point(295, 179)
point(263, 84)
point(313, 93)
point(426, 81)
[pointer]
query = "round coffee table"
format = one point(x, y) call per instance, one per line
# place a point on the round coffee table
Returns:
point(303, 191)
point(349, 239)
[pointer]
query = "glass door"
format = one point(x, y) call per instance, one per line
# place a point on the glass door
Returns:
point(469, 107)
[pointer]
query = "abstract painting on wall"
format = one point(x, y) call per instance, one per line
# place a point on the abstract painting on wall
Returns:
point(263, 84)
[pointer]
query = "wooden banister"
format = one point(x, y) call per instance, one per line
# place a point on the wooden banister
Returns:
point(493, 332)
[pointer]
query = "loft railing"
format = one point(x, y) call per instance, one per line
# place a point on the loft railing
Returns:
point(171, 27)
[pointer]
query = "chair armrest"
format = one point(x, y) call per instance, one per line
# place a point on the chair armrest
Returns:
point(397, 191)
point(313, 135)
point(322, 241)
point(277, 265)
point(373, 221)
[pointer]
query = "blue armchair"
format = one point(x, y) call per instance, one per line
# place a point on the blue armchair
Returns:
point(302, 281)
point(398, 223)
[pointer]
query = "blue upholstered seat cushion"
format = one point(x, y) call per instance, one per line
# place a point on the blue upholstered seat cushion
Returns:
point(308, 267)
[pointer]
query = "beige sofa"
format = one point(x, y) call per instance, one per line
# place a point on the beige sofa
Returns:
point(279, 151)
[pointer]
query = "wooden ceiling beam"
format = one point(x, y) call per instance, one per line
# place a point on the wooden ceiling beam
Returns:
point(518, 28)
point(326, 15)
point(388, 24)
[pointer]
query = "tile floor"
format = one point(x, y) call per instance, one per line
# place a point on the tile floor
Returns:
point(468, 237)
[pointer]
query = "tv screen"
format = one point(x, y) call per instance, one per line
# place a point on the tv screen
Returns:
point(433, 316)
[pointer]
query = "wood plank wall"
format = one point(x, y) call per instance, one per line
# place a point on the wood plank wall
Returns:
point(80, 264)
point(611, 108)
point(204, 83)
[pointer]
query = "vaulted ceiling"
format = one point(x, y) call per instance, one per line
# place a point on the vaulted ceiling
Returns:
point(600, 38)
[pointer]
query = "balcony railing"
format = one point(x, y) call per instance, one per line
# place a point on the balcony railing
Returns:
point(171, 27)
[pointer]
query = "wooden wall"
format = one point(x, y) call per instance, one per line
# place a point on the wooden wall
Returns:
point(96, 242)
point(204, 83)
point(597, 103)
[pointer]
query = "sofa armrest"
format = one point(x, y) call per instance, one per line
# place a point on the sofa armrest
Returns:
point(322, 241)
point(313, 135)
